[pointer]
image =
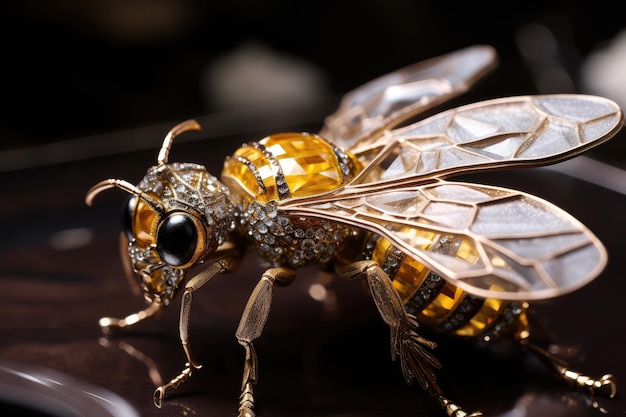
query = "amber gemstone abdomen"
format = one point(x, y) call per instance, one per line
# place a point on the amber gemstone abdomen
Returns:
point(438, 303)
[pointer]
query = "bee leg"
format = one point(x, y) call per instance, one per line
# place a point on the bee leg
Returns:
point(451, 409)
point(219, 267)
point(107, 324)
point(606, 385)
point(251, 326)
point(416, 361)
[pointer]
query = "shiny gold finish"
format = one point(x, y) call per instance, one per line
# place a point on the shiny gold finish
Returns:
point(368, 199)
point(107, 323)
point(251, 326)
point(417, 363)
point(223, 265)
point(605, 385)
point(177, 130)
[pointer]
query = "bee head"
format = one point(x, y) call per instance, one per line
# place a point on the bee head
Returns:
point(173, 219)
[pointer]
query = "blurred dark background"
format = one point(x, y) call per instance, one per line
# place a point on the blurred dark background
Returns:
point(74, 68)
point(89, 89)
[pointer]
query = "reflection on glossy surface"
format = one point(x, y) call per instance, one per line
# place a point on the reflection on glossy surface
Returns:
point(151, 368)
point(505, 392)
point(53, 392)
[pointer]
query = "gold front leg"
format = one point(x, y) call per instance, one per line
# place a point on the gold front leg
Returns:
point(219, 267)
point(107, 324)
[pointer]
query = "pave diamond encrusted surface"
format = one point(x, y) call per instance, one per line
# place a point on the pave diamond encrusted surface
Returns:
point(178, 186)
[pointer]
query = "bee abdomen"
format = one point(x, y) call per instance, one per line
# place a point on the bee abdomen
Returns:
point(438, 303)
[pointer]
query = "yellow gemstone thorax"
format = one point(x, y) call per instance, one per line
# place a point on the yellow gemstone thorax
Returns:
point(302, 164)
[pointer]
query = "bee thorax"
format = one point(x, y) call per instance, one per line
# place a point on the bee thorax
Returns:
point(294, 241)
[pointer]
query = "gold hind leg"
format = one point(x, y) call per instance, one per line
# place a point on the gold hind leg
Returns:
point(605, 385)
point(416, 362)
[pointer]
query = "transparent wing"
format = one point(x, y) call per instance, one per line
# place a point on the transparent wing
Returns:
point(506, 132)
point(393, 98)
point(489, 241)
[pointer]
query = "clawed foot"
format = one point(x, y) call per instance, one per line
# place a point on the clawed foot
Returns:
point(246, 401)
point(107, 324)
point(454, 410)
point(246, 412)
point(159, 395)
point(605, 386)
point(160, 392)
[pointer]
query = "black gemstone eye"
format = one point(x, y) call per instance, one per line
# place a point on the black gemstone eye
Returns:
point(127, 216)
point(176, 239)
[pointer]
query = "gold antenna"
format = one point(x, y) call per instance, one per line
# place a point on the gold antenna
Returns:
point(175, 131)
point(126, 186)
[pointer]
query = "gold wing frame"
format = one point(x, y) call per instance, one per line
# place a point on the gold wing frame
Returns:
point(505, 243)
point(489, 241)
point(394, 98)
point(499, 133)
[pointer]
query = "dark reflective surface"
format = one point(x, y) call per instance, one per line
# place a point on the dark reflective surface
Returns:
point(60, 272)
point(36, 390)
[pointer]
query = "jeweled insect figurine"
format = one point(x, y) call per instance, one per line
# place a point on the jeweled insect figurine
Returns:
point(369, 199)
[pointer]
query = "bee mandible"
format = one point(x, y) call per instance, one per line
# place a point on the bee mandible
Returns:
point(368, 197)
